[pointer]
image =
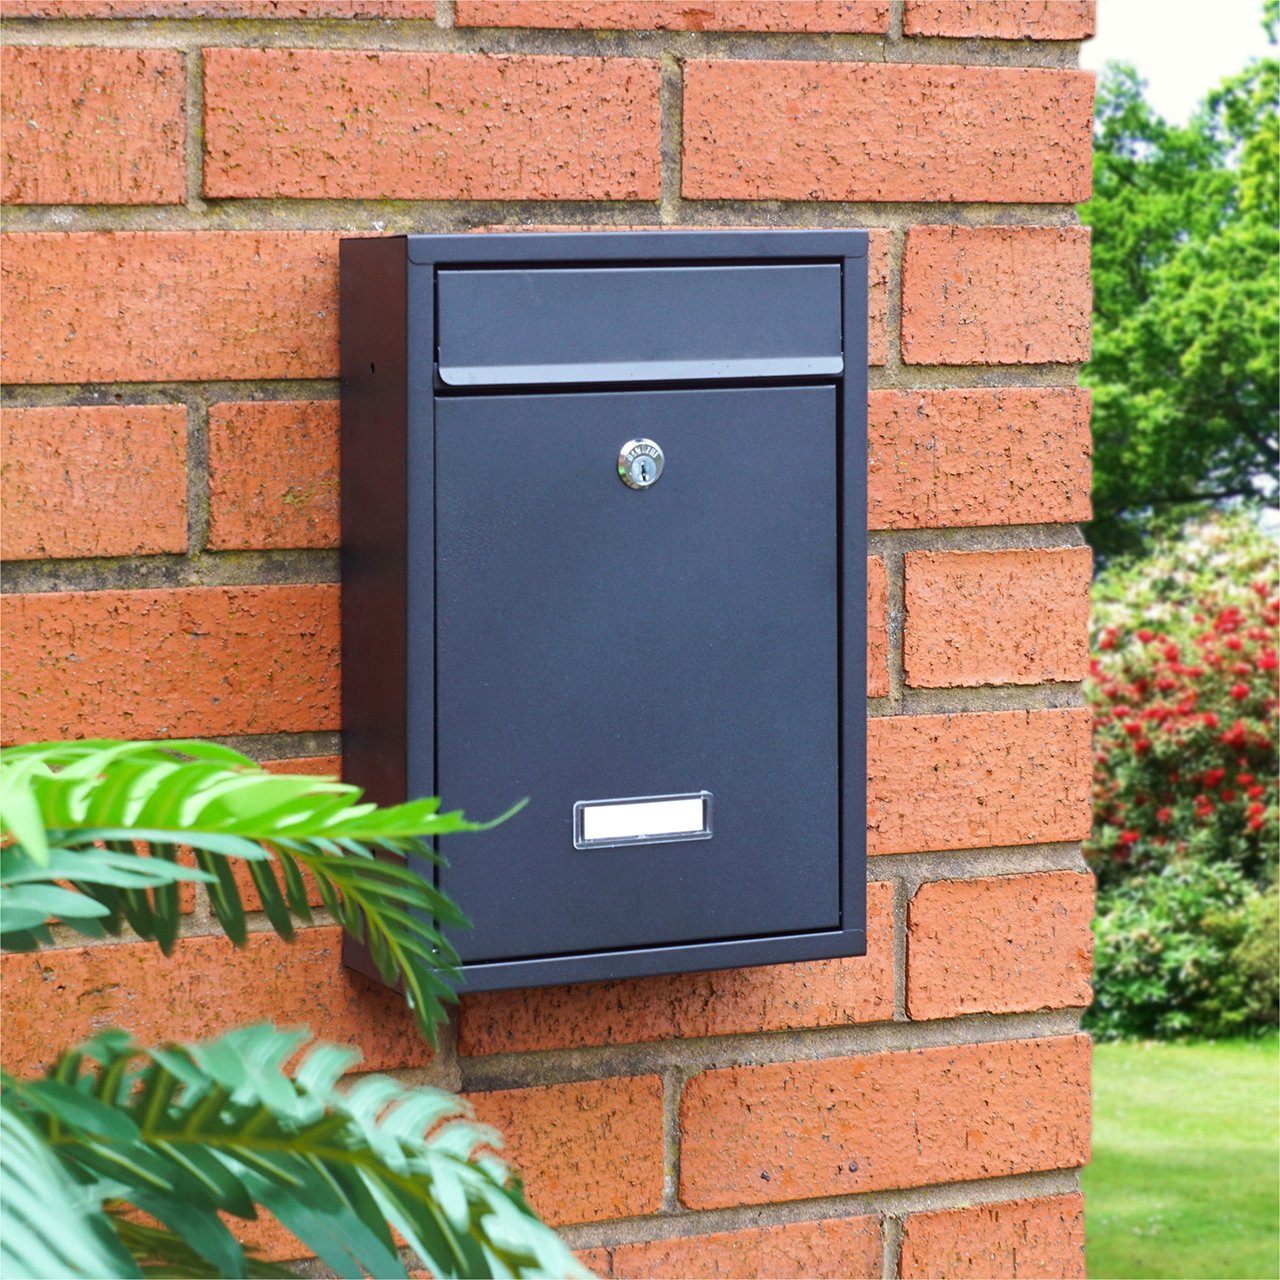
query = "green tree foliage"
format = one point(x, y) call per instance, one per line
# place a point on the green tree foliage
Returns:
point(1184, 370)
point(91, 837)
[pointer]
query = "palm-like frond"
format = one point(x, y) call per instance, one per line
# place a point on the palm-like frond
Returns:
point(35, 1184)
point(186, 1132)
point(76, 814)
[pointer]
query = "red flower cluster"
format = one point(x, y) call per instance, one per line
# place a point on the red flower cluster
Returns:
point(1185, 736)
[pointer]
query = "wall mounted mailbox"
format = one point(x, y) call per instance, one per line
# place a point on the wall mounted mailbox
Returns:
point(604, 546)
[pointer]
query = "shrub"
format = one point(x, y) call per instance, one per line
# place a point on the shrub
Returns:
point(1183, 689)
point(1257, 958)
point(1189, 949)
point(90, 834)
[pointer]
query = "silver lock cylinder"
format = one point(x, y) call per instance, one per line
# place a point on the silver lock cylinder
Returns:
point(640, 464)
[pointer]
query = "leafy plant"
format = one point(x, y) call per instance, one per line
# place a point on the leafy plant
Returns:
point(1168, 957)
point(1256, 958)
point(1183, 689)
point(1186, 784)
point(94, 834)
point(1184, 369)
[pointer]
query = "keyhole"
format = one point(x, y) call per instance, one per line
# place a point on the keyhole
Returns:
point(640, 464)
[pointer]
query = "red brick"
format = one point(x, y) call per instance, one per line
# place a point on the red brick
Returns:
point(596, 1261)
point(320, 766)
point(1003, 944)
point(840, 1248)
point(107, 480)
point(792, 130)
point(1017, 1239)
point(171, 663)
point(797, 1130)
point(678, 15)
point(588, 1151)
point(145, 306)
point(92, 126)
point(55, 998)
point(383, 10)
point(1001, 19)
point(877, 629)
point(996, 295)
point(267, 1238)
point(781, 997)
point(949, 459)
point(878, 243)
point(273, 474)
point(977, 780)
point(341, 124)
point(996, 617)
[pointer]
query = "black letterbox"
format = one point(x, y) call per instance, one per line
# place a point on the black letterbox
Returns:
point(604, 547)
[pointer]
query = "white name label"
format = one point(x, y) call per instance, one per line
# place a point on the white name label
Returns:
point(642, 820)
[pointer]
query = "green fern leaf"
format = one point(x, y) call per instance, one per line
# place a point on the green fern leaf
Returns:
point(111, 816)
point(187, 1132)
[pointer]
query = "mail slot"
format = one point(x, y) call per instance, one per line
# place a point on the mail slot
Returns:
point(604, 548)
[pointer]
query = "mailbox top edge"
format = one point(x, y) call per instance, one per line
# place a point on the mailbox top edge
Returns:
point(636, 246)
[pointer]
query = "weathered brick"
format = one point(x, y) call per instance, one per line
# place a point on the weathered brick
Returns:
point(981, 456)
point(782, 997)
point(54, 998)
point(1001, 19)
point(840, 1248)
point(382, 10)
point(597, 1261)
point(166, 663)
point(976, 780)
point(796, 1130)
point(145, 306)
point(878, 244)
point(321, 766)
point(102, 480)
point(278, 122)
point(588, 1151)
point(678, 15)
point(996, 617)
point(1001, 944)
point(877, 628)
point(273, 474)
point(996, 295)
point(267, 1238)
point(792, 130)
point(92, 126)
point(1017, 1239)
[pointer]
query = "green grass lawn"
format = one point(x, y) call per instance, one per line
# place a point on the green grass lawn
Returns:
point(1185, 1179)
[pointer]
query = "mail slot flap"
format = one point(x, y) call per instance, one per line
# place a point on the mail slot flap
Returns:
point(536, 326)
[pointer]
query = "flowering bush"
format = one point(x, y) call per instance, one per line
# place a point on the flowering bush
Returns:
point(1186, 819)
point(1183, 689)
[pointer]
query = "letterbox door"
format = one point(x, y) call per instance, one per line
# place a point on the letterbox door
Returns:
point(598, 642)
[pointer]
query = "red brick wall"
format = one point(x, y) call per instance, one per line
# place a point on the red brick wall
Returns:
point(177, 177)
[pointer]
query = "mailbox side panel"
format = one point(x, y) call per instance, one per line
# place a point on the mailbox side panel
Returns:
point(375, 399)
point(853, 604)
point(375, 394)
